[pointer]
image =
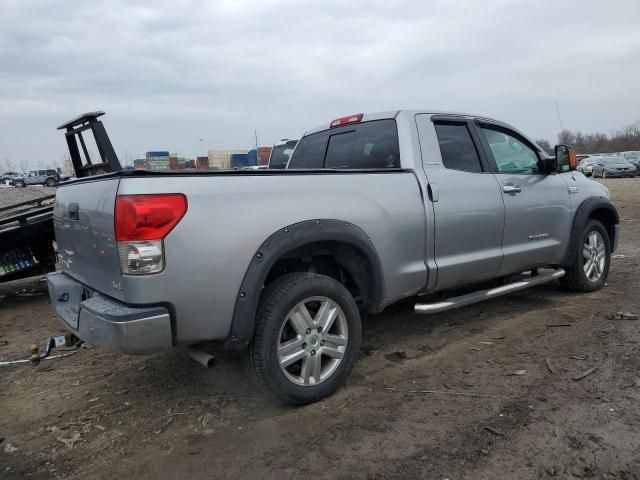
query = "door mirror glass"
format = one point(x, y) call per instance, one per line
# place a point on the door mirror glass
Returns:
point(566, 159)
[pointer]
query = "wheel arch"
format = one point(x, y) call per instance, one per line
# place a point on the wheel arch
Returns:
point(341, 238)
point(596, 208)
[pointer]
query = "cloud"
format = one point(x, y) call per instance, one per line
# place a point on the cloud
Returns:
point(170, 73)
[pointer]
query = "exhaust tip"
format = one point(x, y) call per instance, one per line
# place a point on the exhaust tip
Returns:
point(202, 357)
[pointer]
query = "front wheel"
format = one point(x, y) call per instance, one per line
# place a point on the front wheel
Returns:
point(19, 183)
point(307, 338)
point(590, 267)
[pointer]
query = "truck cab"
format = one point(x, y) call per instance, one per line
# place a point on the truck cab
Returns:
point(281, 153)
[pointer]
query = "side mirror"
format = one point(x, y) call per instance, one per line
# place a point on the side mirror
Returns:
point(549, 165)
point(566, 158)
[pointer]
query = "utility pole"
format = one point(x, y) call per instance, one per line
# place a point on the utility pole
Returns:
point(255, 136)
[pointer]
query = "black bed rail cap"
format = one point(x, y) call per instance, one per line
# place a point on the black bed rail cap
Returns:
point(84, 118)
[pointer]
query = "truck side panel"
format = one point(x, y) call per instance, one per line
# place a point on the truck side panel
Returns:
point(208, 253)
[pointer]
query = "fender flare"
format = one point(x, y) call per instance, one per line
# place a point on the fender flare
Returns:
point(280, 243)
point(583, 212)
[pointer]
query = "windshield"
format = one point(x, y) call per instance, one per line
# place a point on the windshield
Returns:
point(280, 155)
point(613, 160)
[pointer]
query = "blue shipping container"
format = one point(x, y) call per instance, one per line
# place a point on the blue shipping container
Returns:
point(253, 157)
point(157, 154)
point(239, 160)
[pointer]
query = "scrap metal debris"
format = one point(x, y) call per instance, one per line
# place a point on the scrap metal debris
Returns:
point(585, 373)
point(622, 316)
point(28, 360)
point(494, 431)
point(549, 366)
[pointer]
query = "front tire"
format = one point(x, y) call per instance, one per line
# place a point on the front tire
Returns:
point(590, 267)
point(307, 338)
point(19, 184)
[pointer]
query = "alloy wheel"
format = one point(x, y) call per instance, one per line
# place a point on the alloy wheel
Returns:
point(312, 341)
point(594, 255)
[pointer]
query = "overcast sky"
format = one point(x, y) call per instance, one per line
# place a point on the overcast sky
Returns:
point(169, 73)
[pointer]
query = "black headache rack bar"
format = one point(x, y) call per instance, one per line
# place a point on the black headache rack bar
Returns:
point(108, 160)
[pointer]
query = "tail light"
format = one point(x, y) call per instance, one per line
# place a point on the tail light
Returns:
point(339, 122)
point(141, 223)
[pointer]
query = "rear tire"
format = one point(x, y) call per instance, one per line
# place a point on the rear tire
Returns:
point(50, 182)
point(590, 267)
point(290, 354)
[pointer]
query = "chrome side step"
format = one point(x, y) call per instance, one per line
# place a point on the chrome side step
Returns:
point(480, 295)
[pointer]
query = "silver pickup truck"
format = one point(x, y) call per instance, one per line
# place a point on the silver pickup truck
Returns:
point(449, 208)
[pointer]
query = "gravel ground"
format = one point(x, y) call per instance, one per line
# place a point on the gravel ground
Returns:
point(538, 384)
point(12, 195)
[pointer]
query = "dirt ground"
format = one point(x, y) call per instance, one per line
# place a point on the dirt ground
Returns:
point(488, 391)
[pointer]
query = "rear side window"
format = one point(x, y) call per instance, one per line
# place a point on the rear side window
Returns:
point(369, 145)
point(457, 148)
point(310, 151)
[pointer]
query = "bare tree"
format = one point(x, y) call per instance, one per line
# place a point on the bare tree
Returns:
point(24, 165)
point(8, 163)
point(545, 145)
point(566, 137)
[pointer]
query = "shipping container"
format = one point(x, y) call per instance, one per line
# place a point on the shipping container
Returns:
point(161, 153)
point(221, 159)
point(239, 160)
point(263, 155)
point(253, 157)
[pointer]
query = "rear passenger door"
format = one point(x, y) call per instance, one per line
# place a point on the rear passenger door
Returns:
point(466, 201)
point(537, 204)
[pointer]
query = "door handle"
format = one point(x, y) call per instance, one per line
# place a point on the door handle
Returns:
point(511, 189)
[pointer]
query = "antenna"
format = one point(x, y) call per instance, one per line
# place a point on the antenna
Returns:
point(559, 119)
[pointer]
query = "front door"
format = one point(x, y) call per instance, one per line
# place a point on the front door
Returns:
point(537, 205)
point(466, 201)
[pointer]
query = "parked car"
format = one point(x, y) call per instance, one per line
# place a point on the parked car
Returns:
point(50, 178)
point(281, 153)
point(372, 209)
point(586, 166)
point(613, 166)
point(8, 177)
point(633, 158)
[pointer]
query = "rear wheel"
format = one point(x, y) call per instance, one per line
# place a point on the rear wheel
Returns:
point(590, 267)
point(50, 182)
point(307, 338)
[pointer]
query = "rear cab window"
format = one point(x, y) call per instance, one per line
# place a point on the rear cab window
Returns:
point(367, 145)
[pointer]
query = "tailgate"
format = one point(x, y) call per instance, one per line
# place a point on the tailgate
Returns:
point(83, 219)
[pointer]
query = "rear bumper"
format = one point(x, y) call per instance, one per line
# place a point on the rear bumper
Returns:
point(105, 322)
point(625, 173)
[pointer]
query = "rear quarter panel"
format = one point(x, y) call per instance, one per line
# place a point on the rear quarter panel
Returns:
point(229, 217)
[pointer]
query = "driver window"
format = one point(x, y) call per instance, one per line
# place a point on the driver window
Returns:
point(511, 155)
point(33, 174)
